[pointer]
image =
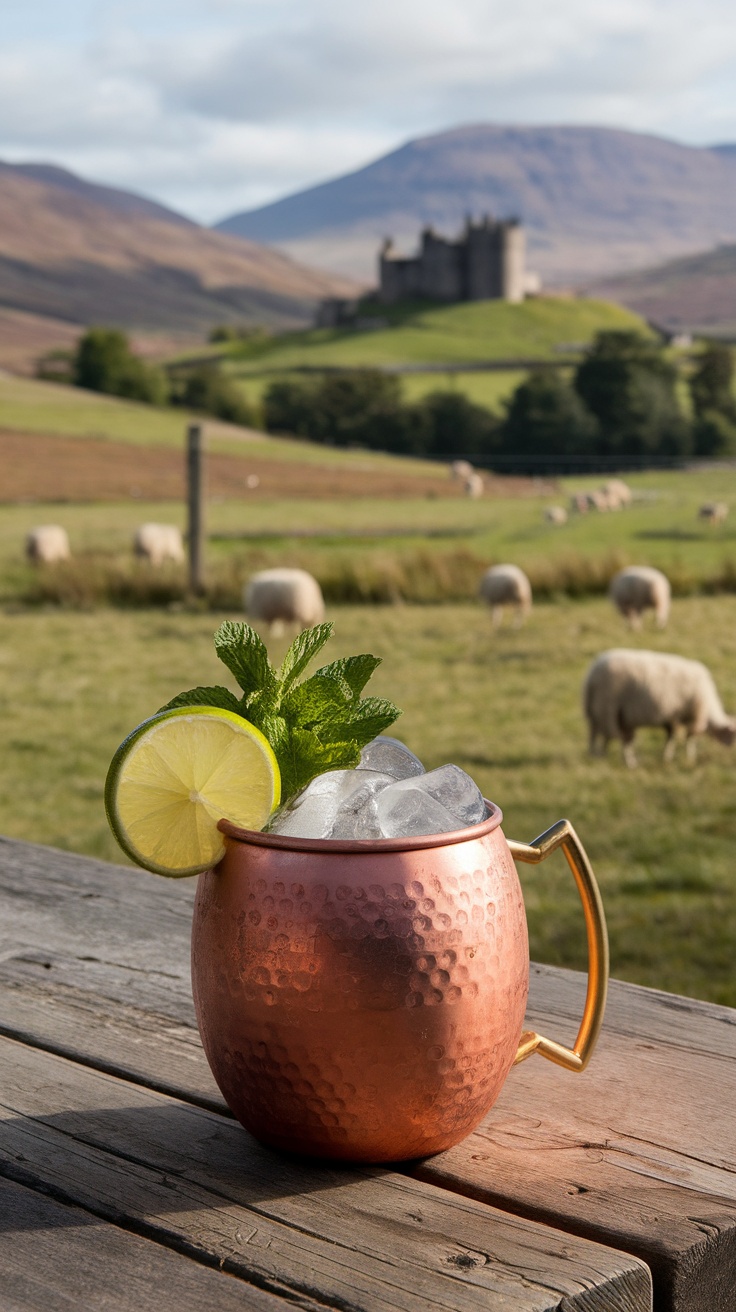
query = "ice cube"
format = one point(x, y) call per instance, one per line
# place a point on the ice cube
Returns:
point(390, 757)
point(337, 793)
point(433, 803)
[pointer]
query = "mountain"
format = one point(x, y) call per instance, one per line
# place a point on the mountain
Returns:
point(694, 294)
point(594, 201)
point(77, 252)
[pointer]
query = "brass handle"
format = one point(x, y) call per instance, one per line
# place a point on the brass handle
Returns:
point(573, 1059)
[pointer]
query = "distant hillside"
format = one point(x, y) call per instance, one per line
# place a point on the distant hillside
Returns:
point(75, 252)
point(695, 294)
point(595, 201)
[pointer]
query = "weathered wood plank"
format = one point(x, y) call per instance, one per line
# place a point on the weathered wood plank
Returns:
point(57, 1258)
point(647, 1132)
point(352, 1239)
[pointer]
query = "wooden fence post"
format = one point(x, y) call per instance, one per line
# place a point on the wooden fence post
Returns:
point(195, 508)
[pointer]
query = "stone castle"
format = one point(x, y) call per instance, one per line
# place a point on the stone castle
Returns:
point(487, 262)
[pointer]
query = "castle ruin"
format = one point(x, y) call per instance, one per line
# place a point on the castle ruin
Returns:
point(487, 262)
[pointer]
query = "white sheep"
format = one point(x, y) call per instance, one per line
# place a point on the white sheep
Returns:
point(555, 515)
point(47, 543)
point(619, 494)
point(506, 585)
point(579, 503)
point(713, 512)
point(460, 470)
point(158, 543)
point(625, 690)
point(281, 597)
point(473, 486)
point(639, 588)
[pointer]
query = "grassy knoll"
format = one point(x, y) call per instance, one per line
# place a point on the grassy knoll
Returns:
point(479, 330)
point(505, 706)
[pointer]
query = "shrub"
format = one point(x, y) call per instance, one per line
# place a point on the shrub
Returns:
point(104, 362)
point(205, 389)
point(546, 418)
point(629, 385)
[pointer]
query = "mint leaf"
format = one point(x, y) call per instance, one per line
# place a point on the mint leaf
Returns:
point(316, 725)
point(314, 700)
point(355, 671)
point(222, 697)
point(305, 756)
point(301, 652)
point(361, 722)
point(240, 648)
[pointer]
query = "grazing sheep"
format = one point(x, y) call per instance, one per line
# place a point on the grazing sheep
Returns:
point(714, 512)
point(506, 585)
point(640, 588)
point(626, 689)
point(474, 486)
point(619, 494)
point(47, 543)
point(579, 503)
point(284, 596)
point(158, 543)
point(460, 470)
point(555, 515)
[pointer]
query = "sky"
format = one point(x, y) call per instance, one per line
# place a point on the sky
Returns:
point(216, 106)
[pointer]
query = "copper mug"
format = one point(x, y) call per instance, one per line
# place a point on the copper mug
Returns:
point(364, 1000)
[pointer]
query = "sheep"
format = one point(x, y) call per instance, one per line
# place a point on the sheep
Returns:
point(714, 512)
point(47, 543)
point(506, 585)
point(474, 486)
point(579, 503)
point(626, 689)
point(281, 597)
point(460, 470)
point(555, 515)
point(158, 543)
point(640, 588)
point(619, 494)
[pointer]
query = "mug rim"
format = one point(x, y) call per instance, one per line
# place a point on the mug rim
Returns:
point(287, 842)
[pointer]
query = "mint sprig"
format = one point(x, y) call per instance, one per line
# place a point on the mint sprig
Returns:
point(313, 725)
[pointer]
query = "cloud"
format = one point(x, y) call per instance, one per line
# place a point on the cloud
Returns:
point(214, 105)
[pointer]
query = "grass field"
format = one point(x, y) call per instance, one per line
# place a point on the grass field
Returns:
point(473, 331)
point(428, 547)
point(505, 706)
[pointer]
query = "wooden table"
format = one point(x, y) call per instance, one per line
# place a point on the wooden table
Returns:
point(124, 1182)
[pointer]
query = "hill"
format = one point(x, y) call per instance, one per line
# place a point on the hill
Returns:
point(479, 348)
point(73, 252)
point(695, 294)
point(595, 201)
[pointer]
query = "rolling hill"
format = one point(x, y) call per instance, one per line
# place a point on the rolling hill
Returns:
point(75, 253)
point(595, 201)
point(694, 294)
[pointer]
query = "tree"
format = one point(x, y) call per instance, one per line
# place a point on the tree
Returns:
point(211, 392)
point(711, 383)
point(546, 420)
point(629, 385)
point(104, 362)
point(358, 408)
point(450, 426)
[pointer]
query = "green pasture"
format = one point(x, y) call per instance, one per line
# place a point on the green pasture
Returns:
point(505, 705)
point(29, 405)
point(363, 537)
point(473, 331)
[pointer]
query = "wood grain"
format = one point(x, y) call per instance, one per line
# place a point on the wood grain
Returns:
point(358, 1239)
point(54, 1258)
point(640, 1151)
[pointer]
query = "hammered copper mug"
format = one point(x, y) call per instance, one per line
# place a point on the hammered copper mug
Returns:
point(364, 1000)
